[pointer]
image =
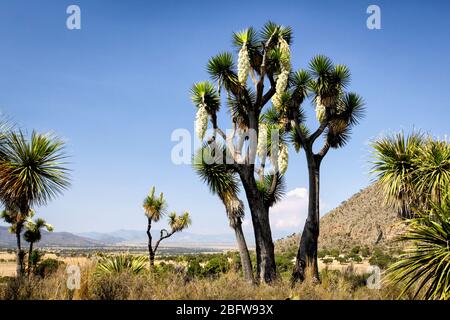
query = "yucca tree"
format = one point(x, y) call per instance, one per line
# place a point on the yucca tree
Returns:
point(425, 264)
point(395, 167)
point(222, 180)
point(155, 207)
point(413, 170)
point(265, 56)
point(33, 234)
point(32, 172)
point(337, 111)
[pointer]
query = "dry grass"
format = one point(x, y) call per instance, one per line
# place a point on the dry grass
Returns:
point(175, 286)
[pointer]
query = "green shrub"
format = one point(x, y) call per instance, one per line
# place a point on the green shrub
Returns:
point(47, 267)
point(283, 263)
point(355, 250)
point(215, 266)
point(365, 252)
point(323, 253)
point(381, 259)
point(342, 260)
point(327, 260)
point(194, 269)
point(334, 253)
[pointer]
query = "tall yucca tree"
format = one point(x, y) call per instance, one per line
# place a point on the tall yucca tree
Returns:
point(33, 235)
point(265, 56)
point(425, 263)
point(32, 172)
point(155, 207)
point(337, 112)
point(222, 180)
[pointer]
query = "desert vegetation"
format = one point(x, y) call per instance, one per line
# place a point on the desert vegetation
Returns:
point(412, 173)
point(199, 276)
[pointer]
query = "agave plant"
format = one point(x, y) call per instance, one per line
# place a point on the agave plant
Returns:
point(425, 264)
point(121, 263)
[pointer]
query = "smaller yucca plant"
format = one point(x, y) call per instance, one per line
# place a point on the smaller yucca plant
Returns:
point(425, 265)
point(121, 263)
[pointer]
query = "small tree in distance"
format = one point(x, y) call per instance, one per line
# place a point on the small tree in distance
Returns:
point(155, 208)
point(32, 235)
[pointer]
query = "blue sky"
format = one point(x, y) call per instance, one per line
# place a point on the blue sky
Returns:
point(116, 89)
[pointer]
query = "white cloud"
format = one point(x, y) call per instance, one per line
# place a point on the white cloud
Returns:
point(291, 212)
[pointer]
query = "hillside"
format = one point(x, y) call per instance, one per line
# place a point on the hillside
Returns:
point(361, 220)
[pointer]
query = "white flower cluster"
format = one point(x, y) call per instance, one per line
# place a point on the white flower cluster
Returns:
point(320, 110)
point(201, 121)
point(283, 77)
point(261, 148)
point(283, 159)
point(243, 65)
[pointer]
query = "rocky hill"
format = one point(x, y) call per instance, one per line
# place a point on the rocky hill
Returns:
point(361, 220)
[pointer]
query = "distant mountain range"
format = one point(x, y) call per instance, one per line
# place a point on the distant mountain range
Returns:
point(121, 238)
point(139, 237)
point(50, 239)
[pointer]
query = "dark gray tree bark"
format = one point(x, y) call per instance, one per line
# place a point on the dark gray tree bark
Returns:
point(246, 262)
point(307, 252)
point(265, 256)
point(151, 252)
point(20, 254)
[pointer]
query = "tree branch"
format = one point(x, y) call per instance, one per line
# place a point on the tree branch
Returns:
point(323, 152)
point(162, 237)
point(317, 133)
point(260, 85)
point(269, 94)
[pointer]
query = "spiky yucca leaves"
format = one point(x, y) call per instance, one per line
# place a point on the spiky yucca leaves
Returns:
point(33, 230)
point(272, 189)
point(121, 263)
point(222, 70)
point(432, 175)
point(211, 166)
point(179, 222)
point(395, 166)
point(276, 32)
point(221, 180)
point(425, 264)
point(154, 207)
point(32, 172)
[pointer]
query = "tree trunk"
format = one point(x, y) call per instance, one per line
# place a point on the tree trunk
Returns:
point(265, 256)
point(151, 253)
point(243, 252)
point(30, 251)
point(20, 253)
point(307, 251)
